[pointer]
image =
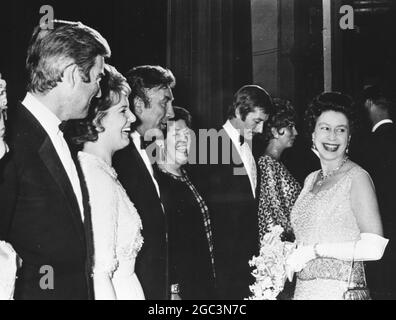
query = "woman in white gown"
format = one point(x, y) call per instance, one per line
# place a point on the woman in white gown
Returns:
point(8, 257)
point(116, 225)
point(336, 218)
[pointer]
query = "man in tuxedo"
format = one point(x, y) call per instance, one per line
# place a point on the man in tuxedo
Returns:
point(380, 161)
point(151, 101)
point(231, 192)
point(43, 202)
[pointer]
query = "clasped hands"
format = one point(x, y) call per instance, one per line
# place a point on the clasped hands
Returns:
point(298, 259)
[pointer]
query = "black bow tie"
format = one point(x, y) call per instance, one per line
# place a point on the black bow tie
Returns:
point(62, 126)
point(145, 143)
point(241, 140)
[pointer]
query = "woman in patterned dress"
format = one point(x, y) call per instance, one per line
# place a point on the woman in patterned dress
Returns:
point(335, 219)
point(278, 189)
point(116, 225)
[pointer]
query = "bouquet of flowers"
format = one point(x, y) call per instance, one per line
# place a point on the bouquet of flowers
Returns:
point(270, 272)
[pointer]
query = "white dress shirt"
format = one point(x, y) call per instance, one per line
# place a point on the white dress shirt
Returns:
point(381, 123)
point(245, 153)
point(136, 140)
point(50, 122)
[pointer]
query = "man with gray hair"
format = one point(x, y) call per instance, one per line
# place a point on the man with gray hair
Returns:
point(43, 202)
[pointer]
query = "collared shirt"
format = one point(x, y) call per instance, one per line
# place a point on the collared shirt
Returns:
point(245, 153)
point(136, 140)
point(380, 124)
point(50, 122)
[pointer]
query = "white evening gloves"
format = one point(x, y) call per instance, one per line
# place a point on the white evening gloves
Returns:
point(370, 247)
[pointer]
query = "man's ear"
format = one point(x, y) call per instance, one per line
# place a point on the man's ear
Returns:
point(71, 75)
point(238, 113)
point(275, 133)
point(138, 105)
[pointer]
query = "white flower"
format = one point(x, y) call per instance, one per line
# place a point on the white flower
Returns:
point(269, 272)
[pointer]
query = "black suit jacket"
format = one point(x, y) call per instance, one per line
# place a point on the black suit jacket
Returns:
point(381, 164)
point(235, 222)
point(152, 261)
point(40, 216)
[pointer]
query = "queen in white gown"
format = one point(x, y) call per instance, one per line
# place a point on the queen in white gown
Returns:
point(335, 219)
point(116, 225)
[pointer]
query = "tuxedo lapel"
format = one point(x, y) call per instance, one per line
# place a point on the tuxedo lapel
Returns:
point(51, 160)
point(54, 165)
point(143, 169)
point(237, 165)
point(87, 228)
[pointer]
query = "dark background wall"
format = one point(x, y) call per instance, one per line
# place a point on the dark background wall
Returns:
point(206, 43)
point(212, 47)
point(136, 31)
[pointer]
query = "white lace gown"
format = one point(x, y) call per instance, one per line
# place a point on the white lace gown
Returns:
point(116, 228)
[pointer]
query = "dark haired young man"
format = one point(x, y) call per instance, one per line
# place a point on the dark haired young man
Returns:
point(151, 101)
point(231, 192)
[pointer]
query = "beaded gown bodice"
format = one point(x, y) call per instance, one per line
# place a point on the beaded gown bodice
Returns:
point(115, 222)
point(326, 217)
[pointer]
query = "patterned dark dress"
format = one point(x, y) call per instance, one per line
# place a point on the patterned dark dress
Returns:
point(278, 191)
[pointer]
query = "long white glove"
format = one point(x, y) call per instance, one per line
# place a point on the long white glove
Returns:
point(370, 247)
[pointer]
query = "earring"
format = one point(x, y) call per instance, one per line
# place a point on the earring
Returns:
point(347, 148)
point(314, 146)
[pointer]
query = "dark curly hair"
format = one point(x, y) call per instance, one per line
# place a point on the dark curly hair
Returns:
point(182, 114)
point(330, 101)
point(112, 86)
point(143, 78)
point(283, 116)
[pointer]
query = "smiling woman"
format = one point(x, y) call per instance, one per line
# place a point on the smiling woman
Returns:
point(188, 217)
point(336, 219)
point(116, 225)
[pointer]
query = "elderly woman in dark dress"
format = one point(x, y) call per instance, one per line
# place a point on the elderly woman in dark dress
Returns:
point(190, 235)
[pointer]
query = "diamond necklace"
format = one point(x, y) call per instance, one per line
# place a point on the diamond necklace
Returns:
point(323, 176)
